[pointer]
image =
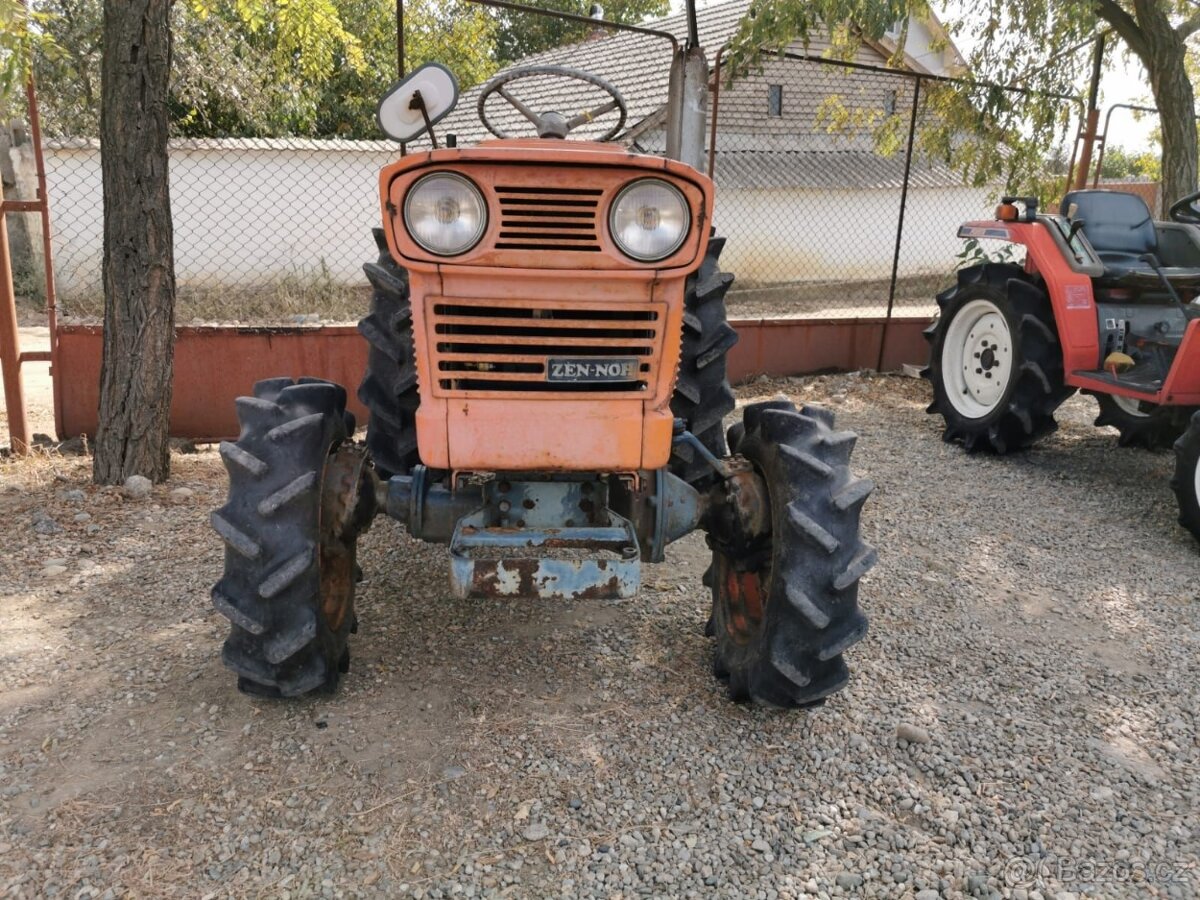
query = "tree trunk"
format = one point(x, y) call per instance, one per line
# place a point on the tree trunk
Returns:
point(1166, 62)
point(139, 265)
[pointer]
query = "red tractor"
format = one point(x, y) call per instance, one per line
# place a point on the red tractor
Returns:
point(1104, 303)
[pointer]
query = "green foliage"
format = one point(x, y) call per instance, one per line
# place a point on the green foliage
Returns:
point(254, 68)
point(522, 34)
point(19, 38)
point(1120, 163)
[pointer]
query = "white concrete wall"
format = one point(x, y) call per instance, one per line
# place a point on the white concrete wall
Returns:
point(246, 213)
point(250, 215)
point(840, 235)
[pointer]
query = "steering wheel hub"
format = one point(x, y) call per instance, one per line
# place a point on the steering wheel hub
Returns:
point(552, 125)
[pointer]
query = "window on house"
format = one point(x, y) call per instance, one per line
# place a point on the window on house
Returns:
point(889, 103)
point(775, 100)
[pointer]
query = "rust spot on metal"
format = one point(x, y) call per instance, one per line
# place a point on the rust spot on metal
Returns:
point(347, 505)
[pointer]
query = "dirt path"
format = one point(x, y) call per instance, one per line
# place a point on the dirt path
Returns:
point(1035, 615)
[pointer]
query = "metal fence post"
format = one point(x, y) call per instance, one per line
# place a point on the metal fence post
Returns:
point(908, 154)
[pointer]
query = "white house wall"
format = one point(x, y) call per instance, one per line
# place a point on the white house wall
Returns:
point(840, 235)
point(242, 217)
point(247, 219)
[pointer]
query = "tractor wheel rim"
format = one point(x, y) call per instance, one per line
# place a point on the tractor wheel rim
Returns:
point(743, 601)
point(977, 359)
point(1196, 481)
point(1131, 406)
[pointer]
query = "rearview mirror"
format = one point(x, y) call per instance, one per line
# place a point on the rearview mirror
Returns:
point(400, 114)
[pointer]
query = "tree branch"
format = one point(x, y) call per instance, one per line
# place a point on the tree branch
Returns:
point(1189, 27)
point(1125, 25)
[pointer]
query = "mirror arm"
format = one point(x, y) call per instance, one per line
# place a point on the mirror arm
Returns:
point(418, 102)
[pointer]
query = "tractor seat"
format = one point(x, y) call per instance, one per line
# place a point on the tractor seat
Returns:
point(1121, 230)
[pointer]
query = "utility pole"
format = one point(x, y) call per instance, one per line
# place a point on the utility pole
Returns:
point(1093, 117)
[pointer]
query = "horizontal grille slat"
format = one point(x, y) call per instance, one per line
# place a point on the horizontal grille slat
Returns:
point(508, 346)
point(553, 219)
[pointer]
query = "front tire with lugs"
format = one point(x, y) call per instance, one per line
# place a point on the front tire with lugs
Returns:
point(1186, 480)
point(389, 388)
point(703, 396)
point(785, 608)
point(287, 588)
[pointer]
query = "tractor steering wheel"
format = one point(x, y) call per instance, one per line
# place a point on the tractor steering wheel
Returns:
point(1186, 209)
point(552, 124)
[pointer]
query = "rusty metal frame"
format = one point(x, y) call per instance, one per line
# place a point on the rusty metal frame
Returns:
point(11, 357)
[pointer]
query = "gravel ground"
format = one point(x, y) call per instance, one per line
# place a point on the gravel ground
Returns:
point(1021, 721)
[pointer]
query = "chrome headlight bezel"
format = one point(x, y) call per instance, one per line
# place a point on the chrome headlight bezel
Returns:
point(679, 239)
point(472, 189)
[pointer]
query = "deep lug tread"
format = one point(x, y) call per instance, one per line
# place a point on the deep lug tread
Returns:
point(383, 279)
point(814, 615)
point(862, 563)
point(1183, 481)
point(389, 390)
point(295, 429)
point(851, 632)
point(225, 605)
point(794, 660)
point(812, 531)
point(1161, 426)
point(236, 457)
point(279, 644)
point(269, 388)
point(853, 494)
point(808, 461)
point(234, 537)
point(298, 487)
point(286, 574)
point(702, 395)
point(285, 644)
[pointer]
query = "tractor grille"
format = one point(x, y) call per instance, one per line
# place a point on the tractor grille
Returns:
point(533, 218)
point(508, 346)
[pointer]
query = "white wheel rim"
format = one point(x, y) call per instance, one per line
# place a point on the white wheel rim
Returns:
point(1131, 406)
point(977, 359)
point(1196, 483)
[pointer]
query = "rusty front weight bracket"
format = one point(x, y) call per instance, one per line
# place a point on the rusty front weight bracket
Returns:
point(347, 505)
point(349, 493)
point(739, 508)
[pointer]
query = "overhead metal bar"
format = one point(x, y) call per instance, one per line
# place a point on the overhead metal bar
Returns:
point(574, 17)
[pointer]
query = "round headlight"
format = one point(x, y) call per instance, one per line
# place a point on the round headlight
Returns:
point(649, 219)
point(445, 213)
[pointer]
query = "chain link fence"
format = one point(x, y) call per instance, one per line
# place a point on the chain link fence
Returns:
point(829, 208)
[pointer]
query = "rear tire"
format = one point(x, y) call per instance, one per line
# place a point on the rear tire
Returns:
point(1141, 424)
point(996, 362)
point(389, 389)
point(703, 396)
point(288, 593)
point(1186, 481)
point(785, 609)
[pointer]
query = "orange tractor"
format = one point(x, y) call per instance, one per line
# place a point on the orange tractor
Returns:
point(547, 395)
point(1105, 302)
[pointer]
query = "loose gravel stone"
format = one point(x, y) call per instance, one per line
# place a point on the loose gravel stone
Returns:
point(536, 832)
point(137, 487)
point(1045, 644)
point(914, 734)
